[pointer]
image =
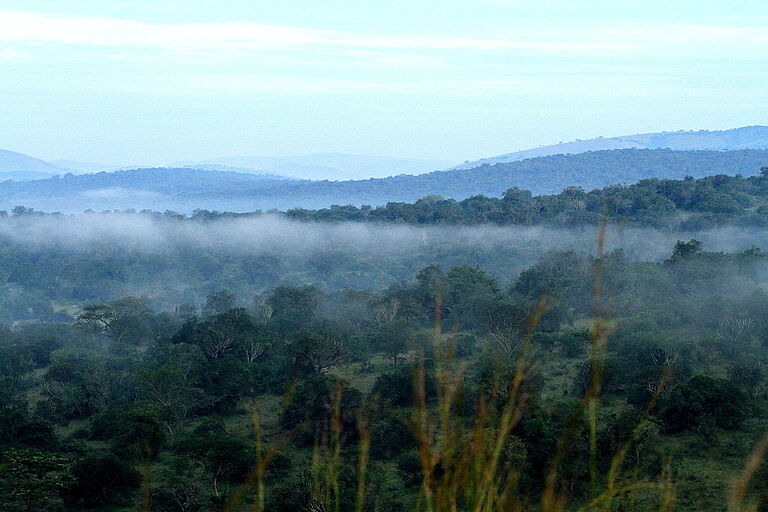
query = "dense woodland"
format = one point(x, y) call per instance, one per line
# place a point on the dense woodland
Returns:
point(687, 204)
point(44, 280)
point(579, 379)
point(274, 399)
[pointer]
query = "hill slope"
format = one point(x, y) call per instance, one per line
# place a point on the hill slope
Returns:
point(76, 167)
point(546, 175)
point(154, 188)
point(330, 166)
point(747, 137)
point(15, 165)
point(187, 189)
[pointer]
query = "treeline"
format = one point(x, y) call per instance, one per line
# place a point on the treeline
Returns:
point(688, 204)
point(266, 402)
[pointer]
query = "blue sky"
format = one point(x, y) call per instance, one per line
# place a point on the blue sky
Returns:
point(151, 82)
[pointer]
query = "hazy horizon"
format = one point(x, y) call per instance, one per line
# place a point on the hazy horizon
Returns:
point(238, 161)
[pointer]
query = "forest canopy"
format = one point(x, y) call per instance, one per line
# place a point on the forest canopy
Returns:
point(183, 405)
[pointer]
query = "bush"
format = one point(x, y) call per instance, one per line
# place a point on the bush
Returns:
point(704, 400)
point(99, 480)
point(390, 437)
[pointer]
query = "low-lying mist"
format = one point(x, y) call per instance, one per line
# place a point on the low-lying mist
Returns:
point(275, 234)
point(76, 259)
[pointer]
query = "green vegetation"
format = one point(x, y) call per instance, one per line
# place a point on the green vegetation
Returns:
point(589, 383)
point(53, 263)
point(687, 204)
point(301, 361)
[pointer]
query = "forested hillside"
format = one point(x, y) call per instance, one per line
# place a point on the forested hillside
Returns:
point(187, 189)
point(162, 180)
point(687, 204)
point(545, 175)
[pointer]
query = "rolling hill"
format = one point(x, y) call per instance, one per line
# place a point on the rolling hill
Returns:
point(76, 167)
point(188, 189)
point(329, 166)
point(18, 166)
point(150, 188)
point(747, 137)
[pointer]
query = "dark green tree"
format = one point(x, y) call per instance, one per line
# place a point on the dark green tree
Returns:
point(99, 480)
point(31, 479)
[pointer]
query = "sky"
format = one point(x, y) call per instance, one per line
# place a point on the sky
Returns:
point(126, 82)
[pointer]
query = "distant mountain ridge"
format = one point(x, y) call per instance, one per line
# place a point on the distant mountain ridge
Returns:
point(15, 165)
point(747, 137)
point(544, 175)
point(149, 188)
point(343, 167)
point(163, 180)
point(185, 189)
point(321, 166)
point(84, 167)
point(329, 166)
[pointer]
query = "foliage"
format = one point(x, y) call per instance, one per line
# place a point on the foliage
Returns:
point(31, 478)
point(448, 389)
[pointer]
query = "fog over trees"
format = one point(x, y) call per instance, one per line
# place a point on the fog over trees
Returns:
point(602, 345)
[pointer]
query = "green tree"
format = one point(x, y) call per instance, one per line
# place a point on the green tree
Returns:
point(171, 391)
point(138, 434)
point(471, 293)
point(219, 302)
point(13, 411)
point(223, 333)
point(31, 479)
point(705, 400)
point(221, 458)
point(124, 320)
point(316, 351)
point(293, 307)
point(99, 480)
point(392, 338)
point(685, 250)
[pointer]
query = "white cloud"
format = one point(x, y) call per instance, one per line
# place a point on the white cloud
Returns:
point(243, 86)
point(35, 28)
point(399, 59)
point(19, 27)
point(51, 28)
